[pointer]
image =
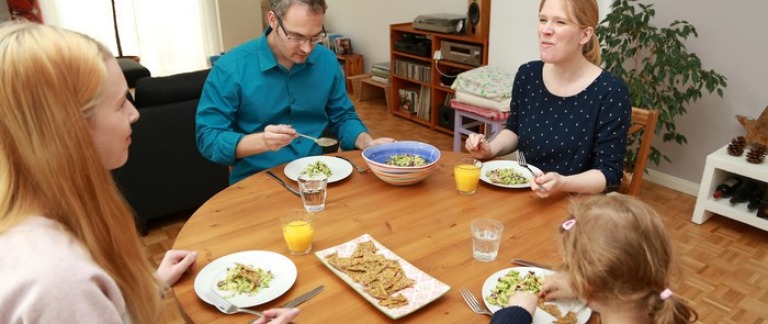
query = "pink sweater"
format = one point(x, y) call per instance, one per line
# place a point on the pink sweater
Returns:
point(46, 276)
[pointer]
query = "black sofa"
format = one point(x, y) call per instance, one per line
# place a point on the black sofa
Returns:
point(165, 173)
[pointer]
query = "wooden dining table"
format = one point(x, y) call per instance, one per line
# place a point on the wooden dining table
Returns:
point(426, 224)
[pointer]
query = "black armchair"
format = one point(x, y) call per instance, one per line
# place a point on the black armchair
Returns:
point(165, 173)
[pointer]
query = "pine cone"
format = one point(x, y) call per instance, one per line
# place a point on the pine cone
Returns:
point(736, 148)
point(757, 153)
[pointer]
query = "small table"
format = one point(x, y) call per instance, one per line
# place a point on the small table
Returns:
point(490, 126)
point(426, 224)
point(370, 89)
point(718, 166)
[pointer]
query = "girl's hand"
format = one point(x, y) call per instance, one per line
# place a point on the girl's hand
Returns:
point(174, 264)
point(556, 286)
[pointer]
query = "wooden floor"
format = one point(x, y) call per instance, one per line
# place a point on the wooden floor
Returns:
point(723, 263)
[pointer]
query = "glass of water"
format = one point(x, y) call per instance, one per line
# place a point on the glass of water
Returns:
point(486, 237)
point(313, 190)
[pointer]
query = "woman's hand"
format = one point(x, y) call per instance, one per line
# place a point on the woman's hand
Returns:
point(174, 264)
point(277, 316)
point(557, 286)
point(546, 184)
point(478, 146)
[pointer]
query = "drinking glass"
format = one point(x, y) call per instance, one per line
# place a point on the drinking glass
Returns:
point(466, 172)
point(486, 237)
point(298, 231)
point(314, 189)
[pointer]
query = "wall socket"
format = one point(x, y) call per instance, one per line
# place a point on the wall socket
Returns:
point(438, 55)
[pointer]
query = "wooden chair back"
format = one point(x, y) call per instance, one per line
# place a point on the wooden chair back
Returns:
point(642, 120)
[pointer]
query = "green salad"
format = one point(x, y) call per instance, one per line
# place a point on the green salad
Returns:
point(511, 282)
point(506, 176)
point(244, 279)
point(318, 167)
point(406, 160)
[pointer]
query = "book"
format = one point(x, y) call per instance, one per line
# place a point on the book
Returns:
point(379, 79)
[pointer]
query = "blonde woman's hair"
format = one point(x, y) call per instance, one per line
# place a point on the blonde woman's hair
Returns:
point(585, 14)
point(50, 80)
point(619, 250)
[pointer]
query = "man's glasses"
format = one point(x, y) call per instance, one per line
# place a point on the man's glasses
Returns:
point(299, 39)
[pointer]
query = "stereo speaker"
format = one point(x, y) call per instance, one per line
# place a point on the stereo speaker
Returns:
point(446, 118)
point(479, 18)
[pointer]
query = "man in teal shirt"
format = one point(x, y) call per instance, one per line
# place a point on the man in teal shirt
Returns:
point(260, 94)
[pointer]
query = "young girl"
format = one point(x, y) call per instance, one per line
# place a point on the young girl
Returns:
point(617, 258)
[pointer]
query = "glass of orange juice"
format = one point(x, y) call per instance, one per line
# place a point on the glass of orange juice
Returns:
point(298, 230)
point(466, 172)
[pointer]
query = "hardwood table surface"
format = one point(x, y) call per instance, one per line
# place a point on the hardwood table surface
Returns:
point(426, 224)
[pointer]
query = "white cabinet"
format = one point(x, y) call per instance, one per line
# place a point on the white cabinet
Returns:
point(719, 165)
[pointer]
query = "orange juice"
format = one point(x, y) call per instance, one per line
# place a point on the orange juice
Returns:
point(298, 235)
point(467, 176)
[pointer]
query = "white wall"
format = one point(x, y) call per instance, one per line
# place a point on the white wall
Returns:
point(732, 42)
point(239, 22)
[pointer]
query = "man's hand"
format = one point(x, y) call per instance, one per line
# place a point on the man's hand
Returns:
point(277, 136)
point(364, 141)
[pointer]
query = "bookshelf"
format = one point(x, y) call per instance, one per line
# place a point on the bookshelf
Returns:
point(411, 72)
point(351, 64)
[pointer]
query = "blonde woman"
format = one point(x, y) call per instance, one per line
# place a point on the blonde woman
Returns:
point(618, 259)
point(69, 251)
point(569, 116)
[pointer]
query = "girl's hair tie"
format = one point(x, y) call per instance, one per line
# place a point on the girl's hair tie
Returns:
point(665, 294)
point(569, 224)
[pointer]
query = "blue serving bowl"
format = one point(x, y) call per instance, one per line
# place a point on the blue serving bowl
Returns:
point(376, 157)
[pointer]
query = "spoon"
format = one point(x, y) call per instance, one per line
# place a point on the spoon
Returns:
point(323, 141)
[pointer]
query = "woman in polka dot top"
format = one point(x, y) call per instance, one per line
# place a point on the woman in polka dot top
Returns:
point(569, 116)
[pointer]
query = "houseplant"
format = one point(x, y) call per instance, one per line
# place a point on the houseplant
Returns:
point(659, 71)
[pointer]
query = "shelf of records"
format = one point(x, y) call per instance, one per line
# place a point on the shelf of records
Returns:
point(415, 101)
point(412, 70)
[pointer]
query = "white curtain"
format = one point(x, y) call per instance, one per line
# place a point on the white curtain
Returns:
point(170, 36)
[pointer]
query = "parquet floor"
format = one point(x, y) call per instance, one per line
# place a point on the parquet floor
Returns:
point(723, 263)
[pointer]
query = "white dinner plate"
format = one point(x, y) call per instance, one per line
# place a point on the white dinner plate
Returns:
point(282, 268)
point(540, 316)
point(340, 169)
point(425, 290)
point(502, 164)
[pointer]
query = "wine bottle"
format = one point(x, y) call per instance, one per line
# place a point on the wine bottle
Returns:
point(726, 188)
point(756, 197)
point(744, 191)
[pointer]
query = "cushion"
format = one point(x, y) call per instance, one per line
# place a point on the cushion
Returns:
point(175, 88)
point(499, 104)
point(486, 81)
point(132, 70)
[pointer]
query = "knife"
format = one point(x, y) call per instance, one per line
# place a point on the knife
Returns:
point(531, 264)
point(273, 176)
point(305, 297)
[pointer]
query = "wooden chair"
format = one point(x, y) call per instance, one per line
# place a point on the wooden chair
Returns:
point(642, 120)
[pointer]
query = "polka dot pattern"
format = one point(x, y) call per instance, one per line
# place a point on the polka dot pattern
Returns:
point(573, 134)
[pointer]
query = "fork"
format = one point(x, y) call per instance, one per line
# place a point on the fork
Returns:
point(359, 168)
point(521, 161)
point(474, 305)
point(226, 307)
